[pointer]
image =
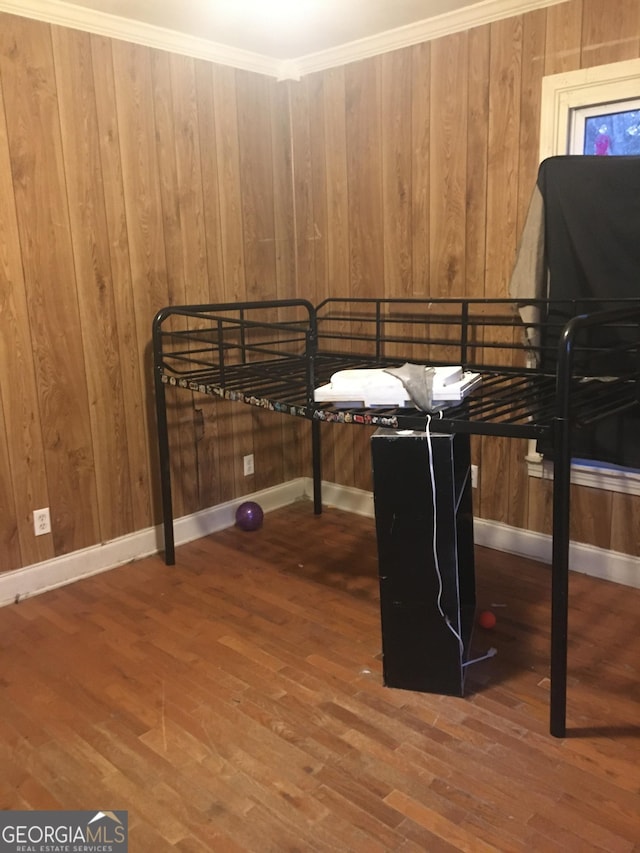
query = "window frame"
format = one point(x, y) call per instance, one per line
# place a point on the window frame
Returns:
point(562, 94)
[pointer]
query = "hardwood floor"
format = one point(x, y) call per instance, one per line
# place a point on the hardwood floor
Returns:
point(234, 703)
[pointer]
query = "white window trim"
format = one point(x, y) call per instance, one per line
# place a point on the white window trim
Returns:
point(561, 94)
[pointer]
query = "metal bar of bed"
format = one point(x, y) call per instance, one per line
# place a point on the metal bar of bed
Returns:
point(213, 352)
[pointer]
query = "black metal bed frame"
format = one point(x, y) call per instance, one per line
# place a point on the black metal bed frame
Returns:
point(565, 366)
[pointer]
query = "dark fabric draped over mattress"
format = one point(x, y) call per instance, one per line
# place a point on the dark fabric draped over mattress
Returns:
point(589, 247)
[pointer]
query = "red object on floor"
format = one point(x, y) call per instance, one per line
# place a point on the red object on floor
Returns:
point(487, 619)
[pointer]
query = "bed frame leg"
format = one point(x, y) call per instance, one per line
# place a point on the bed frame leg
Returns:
point(317, 467)
point(560, 577)
point(165, 472)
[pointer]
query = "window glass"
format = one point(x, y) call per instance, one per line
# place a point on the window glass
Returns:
point(606, 130)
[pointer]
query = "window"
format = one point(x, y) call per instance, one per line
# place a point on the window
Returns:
point(592, 111)
point(606, 129)
point(607, 88)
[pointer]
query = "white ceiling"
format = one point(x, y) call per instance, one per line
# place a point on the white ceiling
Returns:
point(280, 29)
point(283, 38)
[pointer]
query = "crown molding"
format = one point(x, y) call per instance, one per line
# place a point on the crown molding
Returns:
point(485, 12)
point(116, 27)
point(124, 29)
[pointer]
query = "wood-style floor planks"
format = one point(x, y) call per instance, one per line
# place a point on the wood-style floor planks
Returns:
point(234, 702)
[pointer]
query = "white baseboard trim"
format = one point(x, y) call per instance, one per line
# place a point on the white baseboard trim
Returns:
point(587, 559)
point(346, 498)
point(50, 574)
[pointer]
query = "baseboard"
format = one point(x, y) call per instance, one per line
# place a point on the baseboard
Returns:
point(50, 574)
point(346, 498)
point(586, 559)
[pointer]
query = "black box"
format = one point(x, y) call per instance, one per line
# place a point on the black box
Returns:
point(427, 583)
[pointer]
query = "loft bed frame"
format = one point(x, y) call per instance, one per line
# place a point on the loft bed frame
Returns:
point(548, 368)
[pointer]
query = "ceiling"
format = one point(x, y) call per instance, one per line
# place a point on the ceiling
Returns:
point(279, 29)
point(283, 38)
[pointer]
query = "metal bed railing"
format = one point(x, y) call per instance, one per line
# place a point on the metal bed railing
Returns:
point(547, 369)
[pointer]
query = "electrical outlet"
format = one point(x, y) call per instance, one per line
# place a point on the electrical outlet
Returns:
point(474, 476)
point(41, 521)
point(248, 464)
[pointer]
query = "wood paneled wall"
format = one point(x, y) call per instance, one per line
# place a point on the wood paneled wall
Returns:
point(419, 167)
point(132, 178)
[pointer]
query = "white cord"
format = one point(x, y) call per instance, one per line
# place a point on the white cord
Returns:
point(490, 654)
point(434, 543)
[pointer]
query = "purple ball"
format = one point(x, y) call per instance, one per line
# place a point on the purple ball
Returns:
point(249, 515)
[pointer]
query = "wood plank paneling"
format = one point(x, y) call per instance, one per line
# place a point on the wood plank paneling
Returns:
point(397, 181)
point(364, 175)
point(591, 516)
point(338, 444)
point(534, 35)
point(305, 222)
point(163, 114)
point(40, 195)
point(397, 178)
point(448, 164)
point(258, 219)
point(257, 212)
point(24, 478)
point(226, 151)
point(505, 74)
point(364, 135)
point(294, 447)
point(539, 517)
point(9, 542)
point(563, 37)
point(477, 146)
point(610, 31)
point(213, 444)
point(337, 182)
point(625, 524)
point(227, 155)
point(256, 177)
point(143, 211)
point(187, 196)
point(183, 456)
point(315, 93)
point(117, 237)
point(169, 179)
point(206, 118)
point(420, 168)
point(283, 193)
point(94, 279)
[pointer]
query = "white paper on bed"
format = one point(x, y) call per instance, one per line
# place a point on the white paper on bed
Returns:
point(370, 387)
